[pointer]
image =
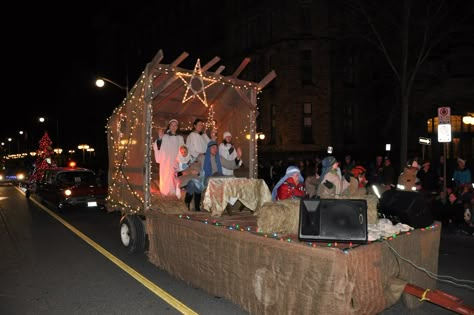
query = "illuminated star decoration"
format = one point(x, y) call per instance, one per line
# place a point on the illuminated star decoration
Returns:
point(196, 84)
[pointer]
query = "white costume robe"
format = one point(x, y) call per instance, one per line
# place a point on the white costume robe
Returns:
point(196, 143)
point(166, 157)
point(224, 152)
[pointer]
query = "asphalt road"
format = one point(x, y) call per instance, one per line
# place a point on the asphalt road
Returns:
point(73, 263)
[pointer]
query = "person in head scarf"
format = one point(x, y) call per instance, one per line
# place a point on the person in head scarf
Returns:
point(228, 151)
point(210, 164)
point(290, 186)
point(183, 174)
point(166, 148)
point(332, 184)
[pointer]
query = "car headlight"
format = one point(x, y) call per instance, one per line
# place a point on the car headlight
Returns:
point(67, 192)
point(20, 176)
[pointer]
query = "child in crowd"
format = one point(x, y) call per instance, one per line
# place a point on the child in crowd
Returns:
point(290, 186)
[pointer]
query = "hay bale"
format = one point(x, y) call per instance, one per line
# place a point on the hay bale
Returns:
point(282, 216)
point(279, 217)
point(168, 204)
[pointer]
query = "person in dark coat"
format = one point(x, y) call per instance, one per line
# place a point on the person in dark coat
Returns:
point(389, 177)
point(428, 179)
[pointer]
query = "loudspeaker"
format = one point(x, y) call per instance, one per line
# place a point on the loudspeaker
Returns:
point(333, 220)
point(409, 207)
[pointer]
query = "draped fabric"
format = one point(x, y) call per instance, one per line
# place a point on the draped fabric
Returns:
point(252, 193)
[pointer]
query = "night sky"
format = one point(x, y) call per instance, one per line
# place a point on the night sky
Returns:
point(51, 58)
point(52, 55)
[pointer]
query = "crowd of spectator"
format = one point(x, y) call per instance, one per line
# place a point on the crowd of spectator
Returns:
point(448, 189)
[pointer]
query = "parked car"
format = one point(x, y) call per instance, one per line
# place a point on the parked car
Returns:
point(67, 187)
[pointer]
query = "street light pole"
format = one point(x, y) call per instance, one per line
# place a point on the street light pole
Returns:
point(100, 82)
point(9, 145)
point(83, 147)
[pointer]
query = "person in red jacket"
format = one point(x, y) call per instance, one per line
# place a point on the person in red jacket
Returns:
point(290, 186)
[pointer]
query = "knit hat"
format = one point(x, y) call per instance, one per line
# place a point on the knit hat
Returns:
point(327, 164)
point(226, 134)
point(358, 170)
point(169, 122)
point(328, 161)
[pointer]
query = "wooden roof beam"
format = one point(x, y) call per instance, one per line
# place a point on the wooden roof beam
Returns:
point(157, 59)
point(268, 78)
point(209, 65)
point(241, 68)
point(180, 59)
point(220, 69)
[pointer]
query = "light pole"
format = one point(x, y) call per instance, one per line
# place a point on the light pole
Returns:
point(100, 82)
point(9, 144)
point(83, 147)
point(22, 135)
point(91, 151)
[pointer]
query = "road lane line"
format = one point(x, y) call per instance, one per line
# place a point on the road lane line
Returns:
point(179, 306)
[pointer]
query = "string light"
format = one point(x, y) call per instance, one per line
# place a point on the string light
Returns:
point(196, 84)
point(345, 247)
point(134, 198)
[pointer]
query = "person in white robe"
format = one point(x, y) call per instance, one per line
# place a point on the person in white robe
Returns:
point(197, 140)
point(166, 148)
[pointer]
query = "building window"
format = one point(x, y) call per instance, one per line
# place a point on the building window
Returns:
point(307, 123)
point(306, 67)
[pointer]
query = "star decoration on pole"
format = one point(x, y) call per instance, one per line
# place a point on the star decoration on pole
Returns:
point(197, 84)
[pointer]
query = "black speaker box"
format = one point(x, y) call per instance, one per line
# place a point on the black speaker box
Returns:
point(409, 207)
point(333, 220)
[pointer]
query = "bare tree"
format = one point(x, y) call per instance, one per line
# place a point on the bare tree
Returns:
point(406, 32)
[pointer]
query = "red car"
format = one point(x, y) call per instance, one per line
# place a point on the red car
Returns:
point(65, 187)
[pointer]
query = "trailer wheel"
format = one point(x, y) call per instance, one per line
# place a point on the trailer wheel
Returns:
point(132, 233)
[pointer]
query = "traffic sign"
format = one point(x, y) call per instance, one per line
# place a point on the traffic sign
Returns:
point(444, 115)
point(444, 133)
point(425, 141)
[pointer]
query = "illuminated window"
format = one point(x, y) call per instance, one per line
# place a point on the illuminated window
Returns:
point(456, 124)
